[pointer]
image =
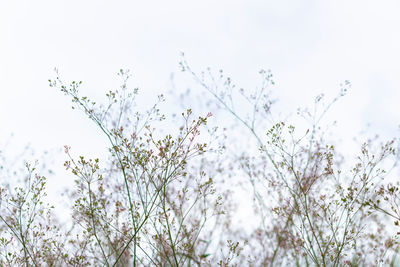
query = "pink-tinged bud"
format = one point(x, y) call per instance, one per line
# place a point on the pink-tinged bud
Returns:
point(66, 148)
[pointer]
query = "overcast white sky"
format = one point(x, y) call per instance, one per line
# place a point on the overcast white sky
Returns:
point(310, 46)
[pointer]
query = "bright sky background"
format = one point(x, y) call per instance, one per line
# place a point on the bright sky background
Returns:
point(310, 46)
